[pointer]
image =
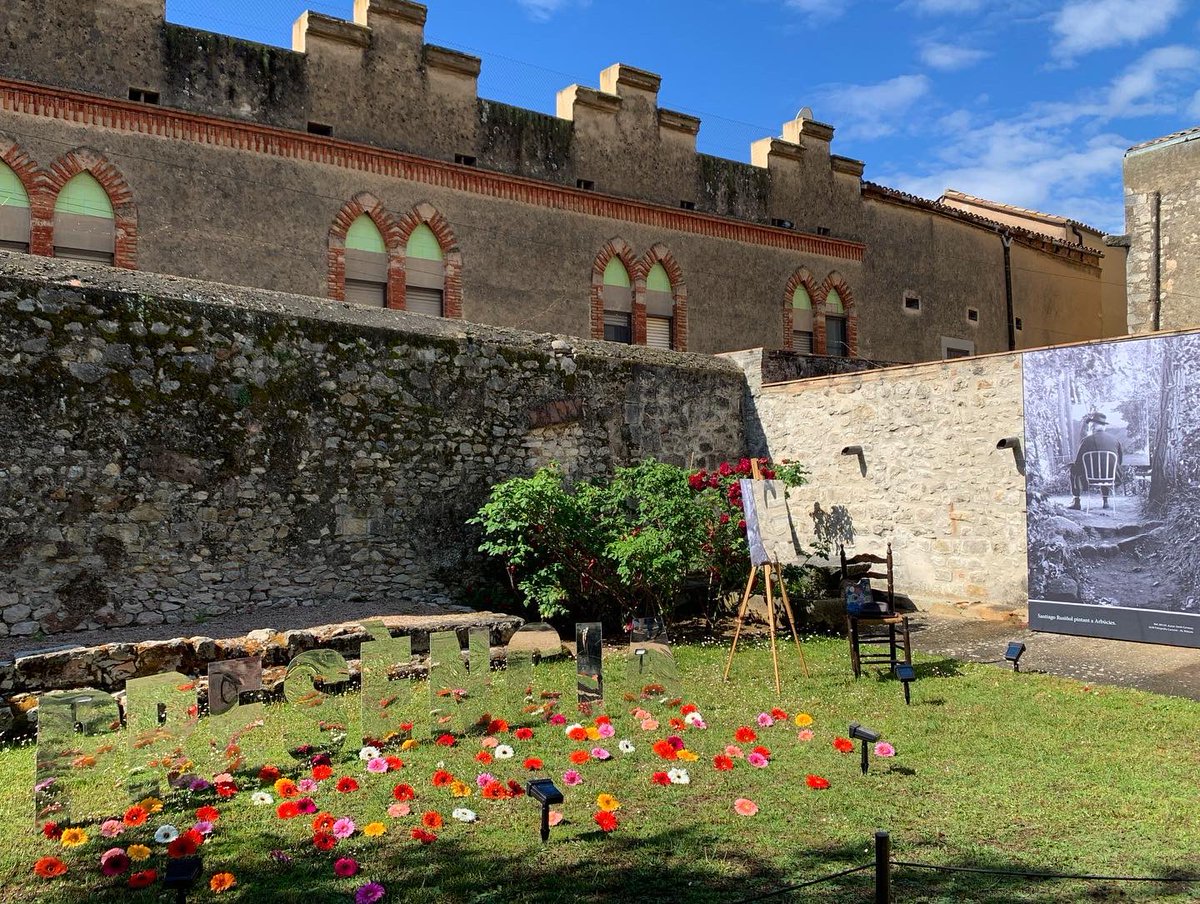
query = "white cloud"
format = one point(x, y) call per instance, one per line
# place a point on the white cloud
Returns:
point(873, 111)
point(1083, 26)
point(1149, 84)
point(818, 10)
point(542, 10)
point(1193, 110)
point(949, 57)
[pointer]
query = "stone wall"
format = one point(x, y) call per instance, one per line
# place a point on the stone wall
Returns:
point(173, 451)
point(931, 480)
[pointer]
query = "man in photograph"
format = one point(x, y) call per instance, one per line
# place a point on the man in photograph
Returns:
point(1099, 440)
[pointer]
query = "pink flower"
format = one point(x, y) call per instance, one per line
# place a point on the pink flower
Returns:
point(113, 862)
point(306, 786)
point(306, 805)
point(203, 827)
point(734, 751)
point(676, 742)
point(555, 817)
point(745, 807)
point(484, 779)
point(757, 760)
point(599, 753)
point(804, 734)
point(606, 730)
point(765, 720)
point(558, 719)
point(640, 714)
point(489, 743)
point(345, 867)
point(884, 749)
point(111, 828)
point(377, 765)
point(571, 777)
point(649, 724)
point(398, 810)
point(344, 827)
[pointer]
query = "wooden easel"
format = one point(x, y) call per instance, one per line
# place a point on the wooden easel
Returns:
point(769, 571)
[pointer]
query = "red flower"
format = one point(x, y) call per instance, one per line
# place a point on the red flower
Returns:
point(514, 788)
point(268, 774)
point(183, 846)
point(346, 784)
point(678, 724)
point(660, 778)
point(134, 816)
point(208, 814)
point(816, 782)
point(406, 726)
point(844, 745)
point(52, 830)
point(441, 778)
point(604, 720)
point(688, 708)
point(446, 740)
point(745, 735)
point(321, 772)
point(523, 734)
point(495, 790)
point(665, 750)
point(765, 751)
point(606, 821)
point(289, 809)
point(323, 841)
point(49, 867)
point(484, 757)
point(431, 819)
point(422, 836)
point(724, 519)
point(696, 481)
point(143, 879)
point(226, 789)
point(532, 764)
point(778, 714)
point(735, 494)
point(403, 792)
point(722, 763)
point(323, 823)
point(497, 726)
point(394, 762)
point(578, 733)
point(741, 524)
point(725, 469)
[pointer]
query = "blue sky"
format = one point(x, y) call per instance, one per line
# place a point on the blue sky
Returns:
point(1031, 103)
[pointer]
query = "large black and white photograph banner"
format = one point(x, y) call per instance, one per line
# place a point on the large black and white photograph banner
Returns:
point(1112, 436)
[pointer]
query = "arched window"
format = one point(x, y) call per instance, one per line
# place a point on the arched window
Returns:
point(84, 223)
point(14, 211)
point(660, 308)
point(836, 340)
point(802, 321)
point(618, 303)
point(425, 273)
point(366, 264)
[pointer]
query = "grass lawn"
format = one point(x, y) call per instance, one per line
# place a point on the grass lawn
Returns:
point(992, 769)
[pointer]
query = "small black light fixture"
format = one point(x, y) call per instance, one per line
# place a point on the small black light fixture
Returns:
point(640, 653)
point(543, 790)
point(867, 736)
point(907, 674)
point(1013, 654)
point(182, 874)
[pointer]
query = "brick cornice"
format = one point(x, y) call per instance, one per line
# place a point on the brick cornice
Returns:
point(89, 110)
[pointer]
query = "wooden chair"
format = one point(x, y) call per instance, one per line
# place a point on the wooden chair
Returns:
point(884, 633)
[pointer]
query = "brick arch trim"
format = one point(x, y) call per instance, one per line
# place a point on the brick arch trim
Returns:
point(802, 277)
point(836, 281)
point(613, 248)
point(88, 160)
point(452, 294)
point(660, 254)
point(365, 203)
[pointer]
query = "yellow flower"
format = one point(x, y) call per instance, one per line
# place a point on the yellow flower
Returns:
point(137, 852)
point(374, 829)
point(593, 733)
point(460, 789)
point(151, 805)
point(686, 755)
point(803, 720)
point(408, 745)
point(73, 837)
point(607, 803)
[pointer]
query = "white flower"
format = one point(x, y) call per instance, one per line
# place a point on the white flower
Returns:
point(626, 746)
point(503, 752)
point(693, 719)
point(679, 776)
point(166, 834)
point(462, 814)
point(368, 753)
point(261, 799)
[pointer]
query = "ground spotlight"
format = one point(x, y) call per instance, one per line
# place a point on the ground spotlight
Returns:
point(182, 873)
point(907, 674)
point(544, 792)
point(867, 736)
point(1013, 654)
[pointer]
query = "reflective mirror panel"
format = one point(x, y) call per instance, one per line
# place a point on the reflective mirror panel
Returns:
point(650, 673)
point(78, 755)
point(235, 710)
point(475, 707)
point(525, 695)
point(644, 629)
point(448, 680)
point(388, 711)
point(160, 715)
point(589, 667)
point(315, 692)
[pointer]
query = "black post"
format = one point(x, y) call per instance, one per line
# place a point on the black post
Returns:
point(545, 822)
point(883, 868)
point(865, 764)
point(907, 697)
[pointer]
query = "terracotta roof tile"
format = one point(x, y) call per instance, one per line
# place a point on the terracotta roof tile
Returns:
point(1188, 134)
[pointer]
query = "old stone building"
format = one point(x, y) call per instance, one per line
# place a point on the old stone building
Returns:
point(1162, 191)
point(361, 166)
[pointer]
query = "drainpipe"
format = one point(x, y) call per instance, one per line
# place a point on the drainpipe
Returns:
point(1006, 238)
point(1155, 258)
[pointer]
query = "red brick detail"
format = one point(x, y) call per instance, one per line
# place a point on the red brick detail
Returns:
point(614, 247)
point(89, 110)
point(32, 180)
point(452, 290)
point(365, 203)
point(658, 254)
point(801, 277)
point(120, 195)
point(835, 281)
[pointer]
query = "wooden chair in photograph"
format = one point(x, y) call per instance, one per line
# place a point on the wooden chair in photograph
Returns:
point(879, 636)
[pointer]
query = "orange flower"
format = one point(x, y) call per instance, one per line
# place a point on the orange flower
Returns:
point(678, 724)
point(49, 867)
point(222, 882)
point(843, 745)
point(134, 816)
point(323, 822)
point(320, 772)
point(745, 735)
point(460, 789)
point(285, 787)
point(495, 790)
point(441, 778)
point(816, 782)
point(289, 809)
point(665, 750)
point(579, 757)
point(497, 726)
point(151, 804)
point(484, 757)
point(577, 733)
point(432, 820)
point(207, 814)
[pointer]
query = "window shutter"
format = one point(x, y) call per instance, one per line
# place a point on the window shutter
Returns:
point(658, 332)
point(617, 327)
point(79, 237)
point(835, 336)
point(421, 300)
point(366, 292)
point(802, 341)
